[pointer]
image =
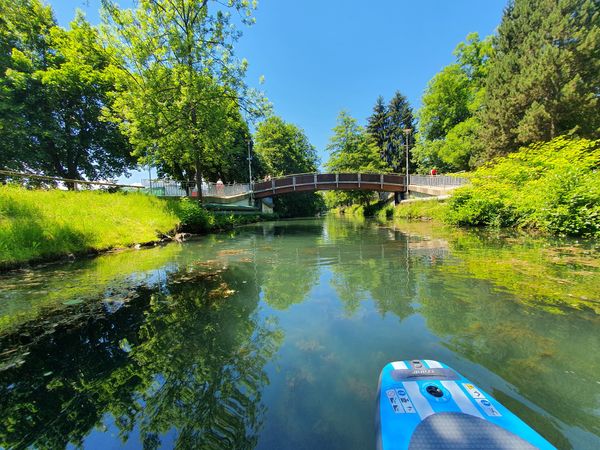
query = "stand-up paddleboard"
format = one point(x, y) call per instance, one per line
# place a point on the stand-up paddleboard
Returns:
point(425, 405)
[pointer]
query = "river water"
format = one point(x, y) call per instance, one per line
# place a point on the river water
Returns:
point(273, 337)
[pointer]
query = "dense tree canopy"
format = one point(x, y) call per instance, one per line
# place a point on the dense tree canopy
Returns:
point(544, 79)
point(54, 84)
point(180, 85)
point(448, 121)
point(282, 148)
point(351, 149)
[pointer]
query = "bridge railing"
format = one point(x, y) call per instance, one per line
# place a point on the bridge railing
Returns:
point(437, 181)
point(328, 181)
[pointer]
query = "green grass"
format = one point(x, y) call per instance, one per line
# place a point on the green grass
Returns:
point(414, 210)
point(39, 225)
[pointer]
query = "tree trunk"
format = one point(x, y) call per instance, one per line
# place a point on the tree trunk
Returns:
point(198, 177)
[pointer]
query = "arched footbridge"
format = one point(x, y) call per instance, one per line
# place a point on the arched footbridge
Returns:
point(310, 182)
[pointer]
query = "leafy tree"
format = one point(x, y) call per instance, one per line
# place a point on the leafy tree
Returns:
point(283, 149)
point(352, 150)
point(181, 87)
point(53, 87)
point(544, 79)
point(449, 127)
point(400, 117)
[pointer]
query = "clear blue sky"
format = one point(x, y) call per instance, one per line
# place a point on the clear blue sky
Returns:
point(321, 56)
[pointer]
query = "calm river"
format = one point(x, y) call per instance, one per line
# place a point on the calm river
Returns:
point(273, 337)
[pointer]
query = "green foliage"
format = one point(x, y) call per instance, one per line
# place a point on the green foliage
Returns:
point(544, 76)
point(282, 148)
point(385, 128)
point(180, 86)
point(400, 118)
point(54, 84)
point(551, 186)
point(449, 126)
point(192, 217)
point(352, 150)
point(378, 126)
point(37, 224)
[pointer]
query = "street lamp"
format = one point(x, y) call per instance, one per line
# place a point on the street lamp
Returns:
point(250, 169)
point(407, 132)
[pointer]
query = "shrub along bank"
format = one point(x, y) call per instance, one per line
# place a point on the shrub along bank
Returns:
point(37, 225)
point(553, 187)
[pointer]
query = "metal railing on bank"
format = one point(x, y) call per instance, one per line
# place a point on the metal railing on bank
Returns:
point(43, 181)
point(172, 188)
point(160, 188)
point(437, 181)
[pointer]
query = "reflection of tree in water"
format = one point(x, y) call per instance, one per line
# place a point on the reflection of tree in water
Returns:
point(290, 270)
point(545, 356)
point(379, 269)
point(180, 358)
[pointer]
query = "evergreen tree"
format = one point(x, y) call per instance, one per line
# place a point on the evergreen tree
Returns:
point(377, 126)
point(544, 78)
point(400, 117)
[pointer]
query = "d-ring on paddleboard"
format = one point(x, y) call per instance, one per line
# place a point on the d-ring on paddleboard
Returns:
point(426, 405)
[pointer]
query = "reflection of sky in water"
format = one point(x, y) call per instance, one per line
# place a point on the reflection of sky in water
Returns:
point(347, 298)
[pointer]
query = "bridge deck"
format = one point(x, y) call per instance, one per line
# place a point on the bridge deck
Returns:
point(330, 181)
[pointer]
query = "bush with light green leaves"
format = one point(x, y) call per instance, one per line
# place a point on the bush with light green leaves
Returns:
point(552, 186)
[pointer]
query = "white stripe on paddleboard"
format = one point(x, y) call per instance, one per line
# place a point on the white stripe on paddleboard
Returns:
point(421, 404)
point(399, 365)
point(459, 397)
point(432, 364)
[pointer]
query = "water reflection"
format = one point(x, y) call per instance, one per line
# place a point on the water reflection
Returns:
point(181, 363)
point(273, 337)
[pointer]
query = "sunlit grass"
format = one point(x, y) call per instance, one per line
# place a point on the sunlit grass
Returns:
point(38, 224)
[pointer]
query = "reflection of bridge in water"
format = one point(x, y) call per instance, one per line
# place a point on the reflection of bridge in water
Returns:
point(395, 243)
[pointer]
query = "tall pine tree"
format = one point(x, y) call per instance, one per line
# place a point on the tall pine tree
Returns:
point(377, 126)
point(544, 78)
point(400, 117)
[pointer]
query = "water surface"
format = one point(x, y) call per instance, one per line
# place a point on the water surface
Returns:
point(273, 337)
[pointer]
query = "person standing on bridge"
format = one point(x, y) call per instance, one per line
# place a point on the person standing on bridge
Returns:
point(433, 171)
point(220, 187)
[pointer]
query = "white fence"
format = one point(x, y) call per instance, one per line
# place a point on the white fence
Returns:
point(172, 188)
point(437, 181)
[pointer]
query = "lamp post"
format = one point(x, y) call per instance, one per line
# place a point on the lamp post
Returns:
point(250, 169)
point(407, 132)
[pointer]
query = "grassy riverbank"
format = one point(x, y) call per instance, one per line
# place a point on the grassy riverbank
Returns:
point(38, 225)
